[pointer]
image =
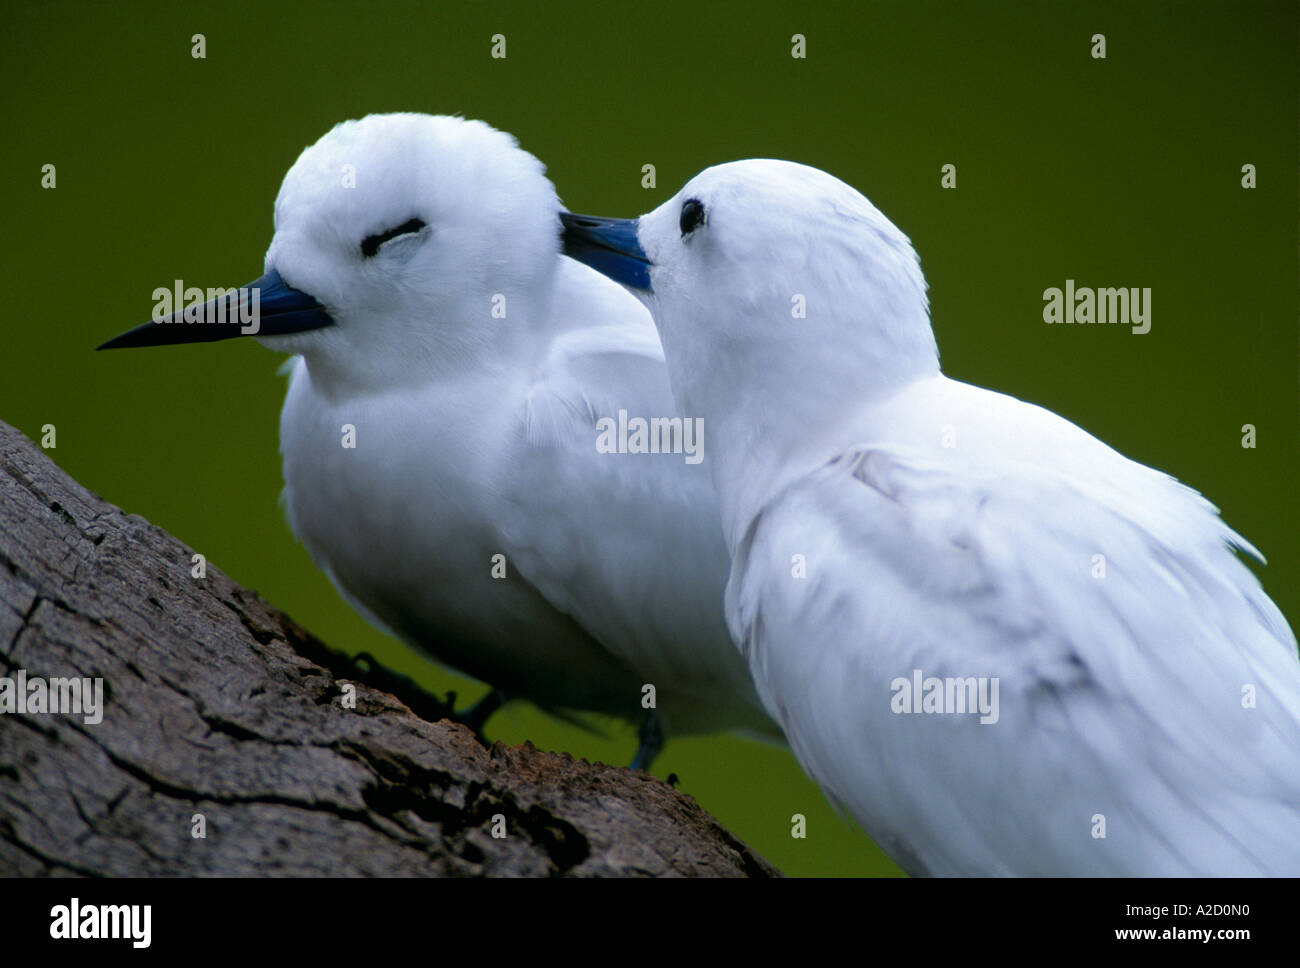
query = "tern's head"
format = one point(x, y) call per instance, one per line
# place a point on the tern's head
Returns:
point(769, 266)
point(397, 238)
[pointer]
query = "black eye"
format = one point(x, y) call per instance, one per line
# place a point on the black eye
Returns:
point(370, 245)
point(692, 215)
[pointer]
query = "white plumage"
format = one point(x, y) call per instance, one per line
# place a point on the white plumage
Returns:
point(472, 361)
point(953, 530)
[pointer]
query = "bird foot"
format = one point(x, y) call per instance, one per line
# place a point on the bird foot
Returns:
point(423, 703)
point(651, 742)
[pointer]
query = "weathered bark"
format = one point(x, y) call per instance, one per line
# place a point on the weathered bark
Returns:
point(217, 704)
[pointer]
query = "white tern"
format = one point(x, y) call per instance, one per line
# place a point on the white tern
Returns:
point(1001, 645)
point(440, 434)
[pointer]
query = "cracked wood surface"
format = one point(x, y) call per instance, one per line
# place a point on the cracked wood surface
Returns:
point(217, 704)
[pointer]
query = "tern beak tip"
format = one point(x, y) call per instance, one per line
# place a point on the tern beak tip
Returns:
point(267, 306)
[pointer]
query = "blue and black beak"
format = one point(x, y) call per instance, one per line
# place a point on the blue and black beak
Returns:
point(608, 245)
point(265, 307)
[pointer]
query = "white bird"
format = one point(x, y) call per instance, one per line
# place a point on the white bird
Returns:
point(903, 545)
point(415, 272)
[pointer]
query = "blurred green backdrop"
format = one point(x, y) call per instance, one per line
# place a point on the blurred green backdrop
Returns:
point(1117, 172)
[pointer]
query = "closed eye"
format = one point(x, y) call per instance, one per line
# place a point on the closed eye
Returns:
point(371, 243)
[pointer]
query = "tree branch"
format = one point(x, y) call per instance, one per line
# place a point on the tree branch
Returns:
point(216, 704)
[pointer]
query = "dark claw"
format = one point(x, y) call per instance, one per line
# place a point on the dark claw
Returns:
point(421, 702)
point(477, 715)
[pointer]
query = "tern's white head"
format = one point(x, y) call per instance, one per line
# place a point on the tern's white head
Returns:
point(400, 241)
point(409, 229)
point(770, 281)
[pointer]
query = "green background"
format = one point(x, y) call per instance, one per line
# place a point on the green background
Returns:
point(1117, 172)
